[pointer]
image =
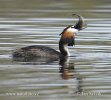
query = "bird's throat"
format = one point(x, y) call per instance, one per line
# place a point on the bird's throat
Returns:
point(64, 49)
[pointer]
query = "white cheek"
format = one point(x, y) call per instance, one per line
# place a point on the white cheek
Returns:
point(75, 31)
point(72, 30)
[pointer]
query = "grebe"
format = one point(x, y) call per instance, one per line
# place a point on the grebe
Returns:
point(67, 39)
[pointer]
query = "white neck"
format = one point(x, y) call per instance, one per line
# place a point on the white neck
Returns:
point(64, 49)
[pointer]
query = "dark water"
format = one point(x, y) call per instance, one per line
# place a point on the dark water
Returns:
point(84, 76)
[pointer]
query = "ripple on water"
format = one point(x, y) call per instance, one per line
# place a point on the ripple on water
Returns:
point(91, 58)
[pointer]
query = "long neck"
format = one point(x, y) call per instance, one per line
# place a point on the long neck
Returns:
point(64, 49)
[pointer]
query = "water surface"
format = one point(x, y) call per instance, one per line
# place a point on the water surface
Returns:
point(84, 75)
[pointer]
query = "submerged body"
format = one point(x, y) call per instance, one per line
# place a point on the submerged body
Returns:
point(67, 39)
point(36, 51)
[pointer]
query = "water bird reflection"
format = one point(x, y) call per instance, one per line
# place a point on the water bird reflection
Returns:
point(68, 72)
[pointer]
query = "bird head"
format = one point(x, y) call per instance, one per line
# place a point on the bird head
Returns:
point(68, 34)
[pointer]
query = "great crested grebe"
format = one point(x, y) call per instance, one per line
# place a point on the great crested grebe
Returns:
point(67, 39)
